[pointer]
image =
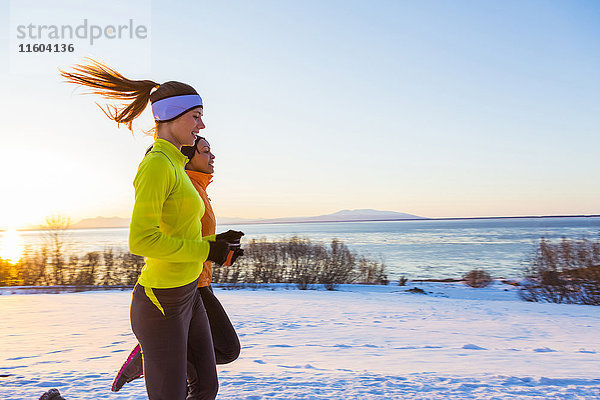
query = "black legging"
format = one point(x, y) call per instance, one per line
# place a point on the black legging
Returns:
point(172, 327)
point(225, 340)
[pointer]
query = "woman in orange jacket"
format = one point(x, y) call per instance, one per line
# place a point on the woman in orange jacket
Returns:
point(225, 340)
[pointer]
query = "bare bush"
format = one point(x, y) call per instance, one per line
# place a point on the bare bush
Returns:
point(131, 266)
point(72, 270)
point(55, 232)
point(338, 267)
point(477, 278)
point(266, 263)
point(9, 275)
point(304, 261)
point(564, 272)
point(88, 269)
point(371, 272)
point(33, 267)
point(108, 256)
point(301, 262)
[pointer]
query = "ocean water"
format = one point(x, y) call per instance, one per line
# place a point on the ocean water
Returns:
point(423, 249)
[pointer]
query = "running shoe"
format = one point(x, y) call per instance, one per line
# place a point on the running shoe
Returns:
point(131, 369)
point(52, 394)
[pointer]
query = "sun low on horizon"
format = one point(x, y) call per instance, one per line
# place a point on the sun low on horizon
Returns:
point(11, 246)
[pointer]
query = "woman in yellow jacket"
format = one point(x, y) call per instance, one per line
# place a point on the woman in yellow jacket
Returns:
point(167, 312)
point(225, 340)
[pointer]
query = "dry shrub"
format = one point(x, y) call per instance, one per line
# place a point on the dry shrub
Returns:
point(300, 261)
point(38, 268)
point(477, 278)
point(564, 272)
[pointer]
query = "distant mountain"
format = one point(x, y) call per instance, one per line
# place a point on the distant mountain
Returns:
point(102, 222)
point(235, 220)
point(343, 215)
point(366, 213)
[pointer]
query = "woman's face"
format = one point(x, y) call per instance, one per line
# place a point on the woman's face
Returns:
point(185, 128)
point(202, 161)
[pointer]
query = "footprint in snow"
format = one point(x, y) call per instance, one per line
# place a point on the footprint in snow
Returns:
point(20, 358)
point(544, 350)
point(473, 347)
point(59, 351)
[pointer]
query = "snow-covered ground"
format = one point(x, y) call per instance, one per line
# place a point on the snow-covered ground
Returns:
point(360, 342)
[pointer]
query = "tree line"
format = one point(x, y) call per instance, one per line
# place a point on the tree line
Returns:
point(300, 261)
point(292, 260)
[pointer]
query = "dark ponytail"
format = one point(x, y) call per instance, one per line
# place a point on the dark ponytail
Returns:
point(189, 151)
point(111, 85)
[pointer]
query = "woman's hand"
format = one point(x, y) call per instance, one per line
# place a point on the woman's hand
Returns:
point(233, 239)
point(236, 253)
point(218, 251)
point(230, 236)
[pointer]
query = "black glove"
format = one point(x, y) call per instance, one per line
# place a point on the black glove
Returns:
point(230, 236)
point(236, 253)
point(218, 251)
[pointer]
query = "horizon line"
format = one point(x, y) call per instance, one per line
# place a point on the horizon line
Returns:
point(267, 222)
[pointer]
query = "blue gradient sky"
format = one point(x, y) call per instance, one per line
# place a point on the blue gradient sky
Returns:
point(440, 109)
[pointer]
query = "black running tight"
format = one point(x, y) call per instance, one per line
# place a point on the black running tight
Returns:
point(225, 339)
point(172, 327)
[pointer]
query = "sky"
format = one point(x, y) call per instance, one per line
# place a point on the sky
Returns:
point(433, 108)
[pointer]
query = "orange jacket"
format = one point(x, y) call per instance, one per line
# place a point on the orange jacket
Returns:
point(209, 222)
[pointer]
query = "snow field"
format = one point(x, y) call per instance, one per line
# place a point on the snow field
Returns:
point(361, 342)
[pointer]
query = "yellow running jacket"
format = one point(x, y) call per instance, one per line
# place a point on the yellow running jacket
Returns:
point(166, 225)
